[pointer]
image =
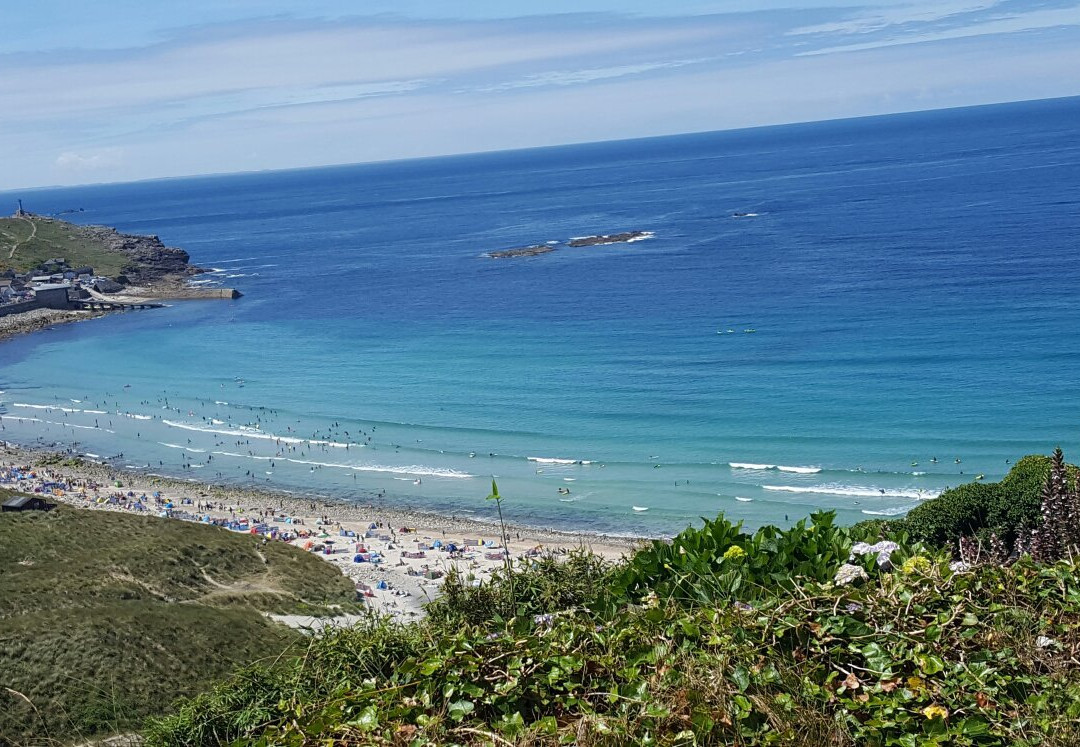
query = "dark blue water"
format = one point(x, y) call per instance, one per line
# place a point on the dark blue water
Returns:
point(911, 283)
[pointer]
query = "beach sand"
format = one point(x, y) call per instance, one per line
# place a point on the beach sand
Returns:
point(92, 486)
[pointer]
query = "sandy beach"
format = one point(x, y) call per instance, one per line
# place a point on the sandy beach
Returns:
point(410, 547)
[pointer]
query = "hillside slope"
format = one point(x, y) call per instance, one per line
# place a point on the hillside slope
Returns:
point(105, 618)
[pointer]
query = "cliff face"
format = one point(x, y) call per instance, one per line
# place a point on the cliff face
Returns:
point(150, 260)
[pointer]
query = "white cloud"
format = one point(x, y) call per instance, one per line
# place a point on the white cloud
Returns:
point(102, 159)
point(881, 18)
point(281, 95)
point(578, 77)
point(1035, 20)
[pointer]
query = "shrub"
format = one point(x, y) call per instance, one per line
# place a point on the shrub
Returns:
point(1009, 508)
point(721, 562)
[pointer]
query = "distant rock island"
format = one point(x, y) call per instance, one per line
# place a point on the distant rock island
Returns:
point(595, 240)
point(615, 238)
point(524, 251)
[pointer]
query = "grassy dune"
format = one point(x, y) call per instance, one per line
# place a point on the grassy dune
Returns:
point(105, 618)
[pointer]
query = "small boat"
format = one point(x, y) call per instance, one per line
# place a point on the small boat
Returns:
point(640, 509)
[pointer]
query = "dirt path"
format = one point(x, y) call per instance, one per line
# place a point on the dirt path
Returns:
point(33, 233)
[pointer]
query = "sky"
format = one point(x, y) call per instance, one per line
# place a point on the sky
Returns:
point(120, 90)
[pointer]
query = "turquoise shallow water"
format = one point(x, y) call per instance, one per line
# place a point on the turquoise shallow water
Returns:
point(911, 281)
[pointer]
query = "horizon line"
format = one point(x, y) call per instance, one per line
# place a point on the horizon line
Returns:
point(470, 153)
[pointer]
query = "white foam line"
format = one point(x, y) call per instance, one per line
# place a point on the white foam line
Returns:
point(248, 432)
point(552, 460)
point(415, 470)
point(778, 467)
point(856, 492)
point(47, 408)
point(185, 448)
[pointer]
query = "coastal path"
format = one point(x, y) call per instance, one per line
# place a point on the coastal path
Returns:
point(27, 240)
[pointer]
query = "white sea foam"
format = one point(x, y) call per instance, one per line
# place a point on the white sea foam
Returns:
point(886, 512)
point(778, 467)
point(92, 456)
point(137, 417)
point(95, 412)
point(185, 448)
point(552, 460)
point(855, 491)
point(47, 408)
point(249, 432)
point(743, 500)
point(219, 402)
point(415, 470)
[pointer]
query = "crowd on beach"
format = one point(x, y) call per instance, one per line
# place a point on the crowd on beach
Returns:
point(396, 558)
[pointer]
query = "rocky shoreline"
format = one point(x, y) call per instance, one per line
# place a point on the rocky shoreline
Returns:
point(39, 319)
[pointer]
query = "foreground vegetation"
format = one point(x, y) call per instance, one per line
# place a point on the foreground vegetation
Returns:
point(106, 618)
point(808, 636)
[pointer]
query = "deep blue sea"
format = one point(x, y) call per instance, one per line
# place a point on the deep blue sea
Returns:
point(911, 282)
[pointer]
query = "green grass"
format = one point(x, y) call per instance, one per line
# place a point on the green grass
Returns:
point(105, 618)
point(55, 239)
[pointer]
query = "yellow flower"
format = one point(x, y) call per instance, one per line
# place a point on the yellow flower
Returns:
point(734, 552)
point(935, 711)
point(916, 564)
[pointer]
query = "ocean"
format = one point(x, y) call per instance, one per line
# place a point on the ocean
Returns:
point(849, 315)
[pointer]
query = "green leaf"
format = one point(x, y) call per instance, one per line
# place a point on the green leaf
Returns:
point(367, 720)
point(741, 677)
point(459, 709)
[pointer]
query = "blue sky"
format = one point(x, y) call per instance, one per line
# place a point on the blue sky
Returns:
point(116, 90)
